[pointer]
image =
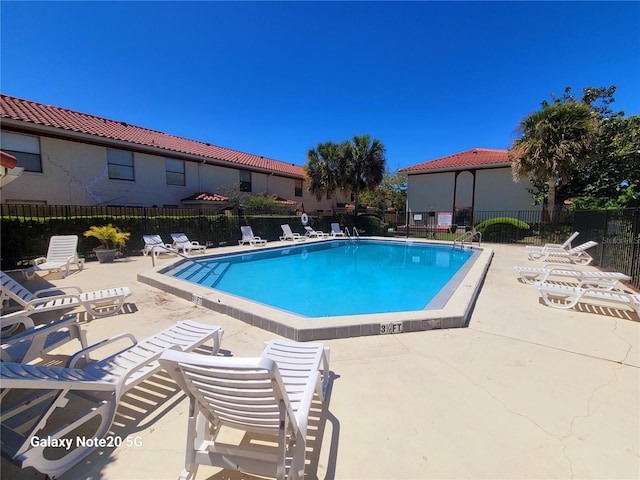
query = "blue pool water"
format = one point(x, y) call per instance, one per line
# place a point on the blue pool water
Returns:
point(333, 278)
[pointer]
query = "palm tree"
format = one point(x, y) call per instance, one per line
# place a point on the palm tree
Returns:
point(364, 162)
point(553, 141)
point(323, 169)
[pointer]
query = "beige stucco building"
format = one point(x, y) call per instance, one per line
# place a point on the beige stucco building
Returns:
point(463, 184)
point(72, 158)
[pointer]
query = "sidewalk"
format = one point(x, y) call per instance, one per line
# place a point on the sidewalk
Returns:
point(526, 391)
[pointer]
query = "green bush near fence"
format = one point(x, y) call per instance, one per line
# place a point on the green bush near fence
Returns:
point(24, 239)
point(499, 228)
point(550, 233)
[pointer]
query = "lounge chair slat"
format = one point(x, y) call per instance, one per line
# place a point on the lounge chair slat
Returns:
point(114, 375)
point(249, 394)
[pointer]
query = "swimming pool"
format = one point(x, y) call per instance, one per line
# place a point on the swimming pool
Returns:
point(294, 265)
point(333, 278)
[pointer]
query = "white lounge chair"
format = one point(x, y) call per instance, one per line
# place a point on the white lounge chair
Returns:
point(335, 230)
point(574, 255)
point(269, 395)
point(532, 275)
point(310, 232)
point(154, 244)
point(249, 237)
point(287, 234)
point(35, 342)
point(565, 246)
point(588, 290)
point(99, 303)
point(62, 251)
point(181, 242)
point(92, 393)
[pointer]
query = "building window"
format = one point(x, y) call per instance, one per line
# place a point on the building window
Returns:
point(25, 148)
point(245, 181)
point(175, 172)
point(120, 164)
point(298, 188)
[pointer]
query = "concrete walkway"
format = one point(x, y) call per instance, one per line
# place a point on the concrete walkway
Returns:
point(526, 391)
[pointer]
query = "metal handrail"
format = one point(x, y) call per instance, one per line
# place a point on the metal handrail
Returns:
point(467, 237)
point(352, 238)
point(163, 247)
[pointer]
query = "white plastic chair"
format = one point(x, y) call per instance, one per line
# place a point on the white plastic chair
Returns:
point(249, 237)
point(532, 275)
point(154, 244)
point(565, 246)
point(62, 251)
point(310, 232)
point(576, 255)
point(35, 342)
point(181, 242)
point(335, 230)
point(588, 290)
point(93, 391)
point(287, 234)
point(99, 303)
point(271, 395)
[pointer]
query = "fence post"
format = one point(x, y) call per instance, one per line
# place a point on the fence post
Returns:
point(635, 244)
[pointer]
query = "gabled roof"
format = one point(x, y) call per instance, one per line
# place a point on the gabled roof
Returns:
point(474, 158)
point(61, 118)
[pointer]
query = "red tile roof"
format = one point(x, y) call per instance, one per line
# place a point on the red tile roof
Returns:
point(206, 197)
point(62, 118)
point(476, 157)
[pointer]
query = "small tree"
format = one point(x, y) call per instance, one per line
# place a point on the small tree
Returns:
point(324, 168)
point(391, 193)
point(364, 163)
point(552, 142)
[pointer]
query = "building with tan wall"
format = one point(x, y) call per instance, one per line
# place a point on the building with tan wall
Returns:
point(477, 180)
point(72, 158)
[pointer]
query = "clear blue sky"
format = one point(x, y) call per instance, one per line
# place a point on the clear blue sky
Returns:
point(426, 78)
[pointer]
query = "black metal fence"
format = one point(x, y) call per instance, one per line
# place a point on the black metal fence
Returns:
point(26, 229)
point(618, 235)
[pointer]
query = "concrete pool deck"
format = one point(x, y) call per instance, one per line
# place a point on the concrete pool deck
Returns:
point(525, 391)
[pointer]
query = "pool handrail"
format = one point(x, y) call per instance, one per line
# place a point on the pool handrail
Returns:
point(163, 247)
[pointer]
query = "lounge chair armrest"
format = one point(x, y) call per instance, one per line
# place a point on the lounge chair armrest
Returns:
point(56, 289)
point(51, 298)
point(17, 318)
point(562, 266)
point(609, 285)
point(83, 354)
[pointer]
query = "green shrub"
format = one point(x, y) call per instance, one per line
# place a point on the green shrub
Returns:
point(502, 229)
point(370, 225)
point(553, 233)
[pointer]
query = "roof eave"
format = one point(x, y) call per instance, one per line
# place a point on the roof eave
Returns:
point(56, 132)
point(483, 166)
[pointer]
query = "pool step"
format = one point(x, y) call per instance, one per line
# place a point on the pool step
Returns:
point(215, 274)
point(207, 275)
point(184, 270)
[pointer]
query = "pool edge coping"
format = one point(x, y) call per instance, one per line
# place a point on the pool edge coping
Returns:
point(455, 313)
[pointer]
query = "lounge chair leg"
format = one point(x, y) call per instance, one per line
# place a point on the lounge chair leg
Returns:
point(36, 458)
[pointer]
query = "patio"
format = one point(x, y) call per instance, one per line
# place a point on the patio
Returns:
point(525, 391)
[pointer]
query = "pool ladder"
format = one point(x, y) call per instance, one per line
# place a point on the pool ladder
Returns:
point(466, 239)
point(352, 238)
